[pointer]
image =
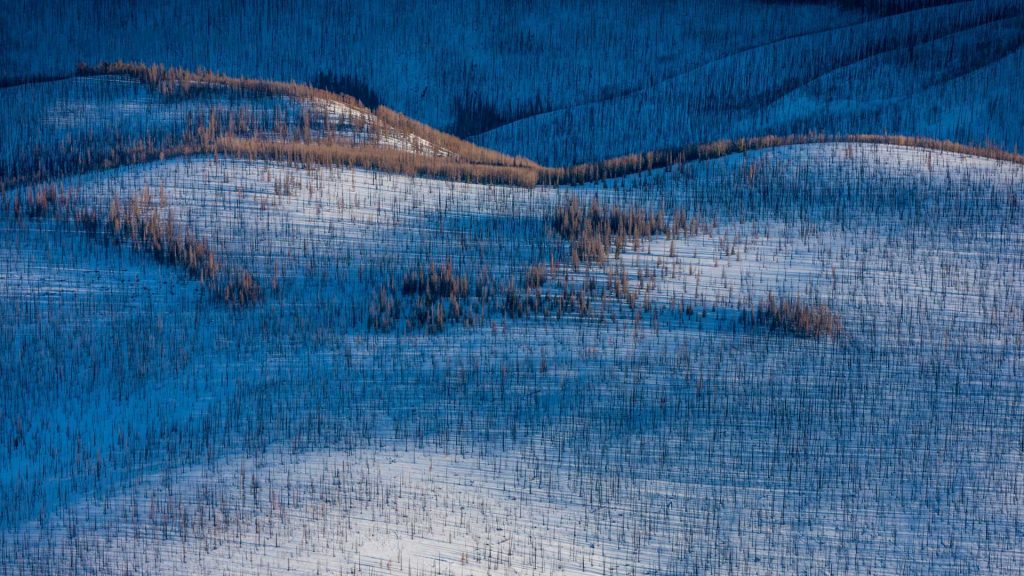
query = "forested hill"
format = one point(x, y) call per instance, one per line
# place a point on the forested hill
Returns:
point(563, 83)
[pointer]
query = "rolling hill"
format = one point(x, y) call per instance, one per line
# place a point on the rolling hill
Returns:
point(675, 300)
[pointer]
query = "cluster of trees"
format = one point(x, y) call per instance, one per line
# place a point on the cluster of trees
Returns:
point(430, 297)
point(180, 82)
point(556, 302)
point(793, 316)
point(433, 296)
point(527, 174)
point(138, 223)
point(393, 160)
point(620, 166)
point(436, 292)
point(593, 229)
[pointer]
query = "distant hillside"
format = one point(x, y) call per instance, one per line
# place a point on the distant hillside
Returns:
point(115, 114)
point(563, 83)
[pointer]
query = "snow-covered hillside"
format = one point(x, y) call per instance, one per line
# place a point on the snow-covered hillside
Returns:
point(633, 288)
point(445, 377)
point(99, 120)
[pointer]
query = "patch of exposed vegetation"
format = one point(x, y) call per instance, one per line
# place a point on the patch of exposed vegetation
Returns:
point(139, 224)
point(793, 316)
point(593, 229)
point(430, 297)
point(237, 133)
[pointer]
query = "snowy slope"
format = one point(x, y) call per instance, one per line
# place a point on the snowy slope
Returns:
point(637, 436)
point(102, 120)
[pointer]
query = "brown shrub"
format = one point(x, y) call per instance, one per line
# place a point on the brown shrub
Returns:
point(139, 224)
point(435, 282)
point(536, 276)
point(795, 317)
point(383, 311)
point(376, 158)
point(180, 82)
point(592, 230)
point(632, 163)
